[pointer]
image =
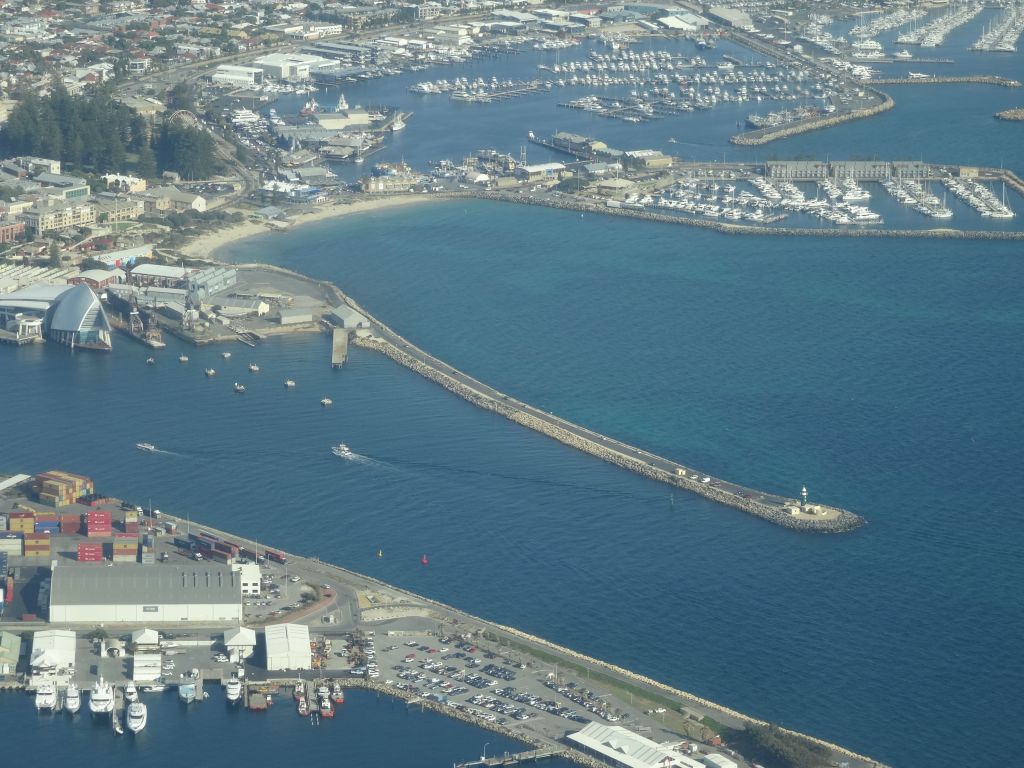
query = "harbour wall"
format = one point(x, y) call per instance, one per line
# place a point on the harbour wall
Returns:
point(756, 138)
point(944, 80)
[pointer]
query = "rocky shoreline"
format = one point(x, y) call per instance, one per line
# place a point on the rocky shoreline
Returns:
point(1013, 115)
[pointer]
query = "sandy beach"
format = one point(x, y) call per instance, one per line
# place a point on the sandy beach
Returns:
point(205, 246)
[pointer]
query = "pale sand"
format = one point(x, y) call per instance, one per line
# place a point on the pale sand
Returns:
point(205, 246)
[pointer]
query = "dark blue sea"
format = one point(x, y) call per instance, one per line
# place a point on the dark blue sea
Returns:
point(886, 375)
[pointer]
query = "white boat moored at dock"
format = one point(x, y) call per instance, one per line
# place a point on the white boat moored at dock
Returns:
point(136, 717)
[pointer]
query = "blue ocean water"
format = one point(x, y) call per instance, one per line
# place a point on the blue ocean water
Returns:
point(883, 374)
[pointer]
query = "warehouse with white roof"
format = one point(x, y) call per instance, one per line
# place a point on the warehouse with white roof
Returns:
point(140, 594)
point(288, 647)
point(620, 746)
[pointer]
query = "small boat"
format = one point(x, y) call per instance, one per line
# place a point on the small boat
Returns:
point(380, 553)
point(150, 361)
point(288, 383)
point(341, 450)
point(337, 694)
point(226, 355)
point(146, 447)
point(424, 561)
point(131, 693)
point(210, 372)
point(182, 358)
point(254, 368)
point(115, 723)
point(155, 688)
point(72, 699)
point(46, 697)
point(239, 388)
point(187, 692)
point(101, 698)
point(233, 689)
point(136, 717)
point(302, 707)
point(326, 401)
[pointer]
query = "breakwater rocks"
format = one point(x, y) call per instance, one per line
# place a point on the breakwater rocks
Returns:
point(756, 138)
point(1005, 82)
point(830, 519)
point(1011, 114)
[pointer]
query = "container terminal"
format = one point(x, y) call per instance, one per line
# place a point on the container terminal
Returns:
point(106, 603)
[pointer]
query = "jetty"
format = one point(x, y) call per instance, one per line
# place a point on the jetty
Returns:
point(339, 347)
point(513, 758)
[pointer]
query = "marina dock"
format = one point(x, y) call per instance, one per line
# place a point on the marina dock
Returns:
point(339, 347)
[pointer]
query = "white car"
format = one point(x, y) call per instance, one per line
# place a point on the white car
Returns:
point(295, 579)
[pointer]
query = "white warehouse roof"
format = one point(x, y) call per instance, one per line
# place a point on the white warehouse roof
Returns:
point(623, 747)
point(288, 646)
point(52, 649)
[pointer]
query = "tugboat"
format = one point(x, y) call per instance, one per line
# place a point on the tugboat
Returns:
point(337, 694)
point(302, 707)
point(326, 708)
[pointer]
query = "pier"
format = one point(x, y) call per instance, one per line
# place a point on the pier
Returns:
point(339, 347)
point(513, 758)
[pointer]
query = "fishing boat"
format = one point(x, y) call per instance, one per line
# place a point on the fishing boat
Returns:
point(254, 368)
point(46, 697)
point(326, 401)
point(342, 450)
point(239, 388)
point(131, 693)
point(137, 716)
point(337, 694)
point(72, 699)
point(101, 698)
point(146, 447)
point(233, 689)
point(187, 692)
point(210, 372)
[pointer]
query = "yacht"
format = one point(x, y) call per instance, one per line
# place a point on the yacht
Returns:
point(131, 693)
point(234, 689)
point(46, 697)
point(225, 355)
point(155, 688)
point(254, 368)
point(326, 401)
point(136, 717)
point(341, 450)
point(146, 447)
point(187, 692)
point(904, 54)
point(239, 388)
point(182, 358)
point(72, 699)
point(210, 372)
point(101, 698)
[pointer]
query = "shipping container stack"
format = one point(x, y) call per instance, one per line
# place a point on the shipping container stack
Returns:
point(47, 522)
point(98, 524)
point(90, 552)
point(37, 545)
point(3, 581)
point(147, 550)
point(126, 548)
point(12, 543)
point(131, 522)
point(70, 524)
point(3, 523)
point(59, 489)
point(22, 522)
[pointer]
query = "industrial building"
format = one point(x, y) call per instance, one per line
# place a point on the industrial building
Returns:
point(10, 652)
point(240, 643)
point(53, 652)
point(288, 647)
point(229, 74)
point(293, 66)
point(620, 746)
point(346, 317)
point(136, 593)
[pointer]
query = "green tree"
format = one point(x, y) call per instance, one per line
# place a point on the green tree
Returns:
point(55, 260)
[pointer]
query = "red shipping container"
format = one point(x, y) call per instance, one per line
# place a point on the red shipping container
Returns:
point(70, 526)
point(9, 592)
point(17, 515)
point(132, 528)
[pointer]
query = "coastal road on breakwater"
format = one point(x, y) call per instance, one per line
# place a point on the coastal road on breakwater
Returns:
point(776, 509)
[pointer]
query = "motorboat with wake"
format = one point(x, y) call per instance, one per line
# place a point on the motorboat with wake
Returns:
point(72, 699)
point(46, 697)
point(149, 447)
point(101, 698)
point(136, 716)
point(342, 450)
